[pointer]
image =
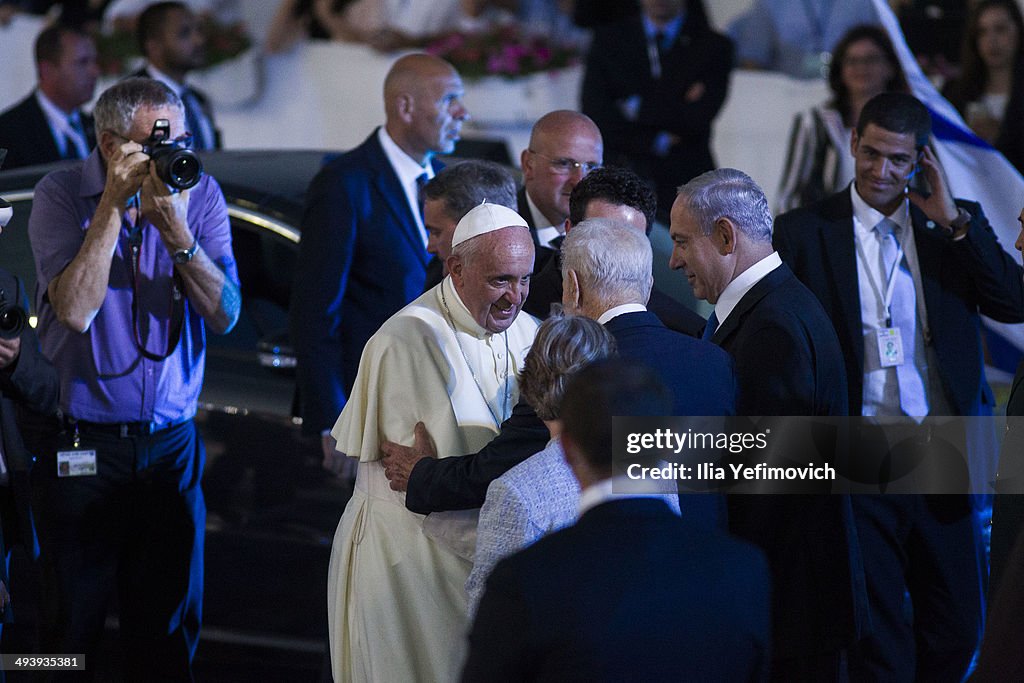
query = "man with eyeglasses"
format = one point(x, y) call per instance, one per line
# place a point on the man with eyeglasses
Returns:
point(564, 147)
point(130, 277)
point(654, 83)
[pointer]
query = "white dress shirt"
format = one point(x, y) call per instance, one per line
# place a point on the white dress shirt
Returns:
point(623, 488)
point(206, 133)
point(881, 393)
point(61, 128)
point(616, 311)
point(743, 283)
point(546, 232)
point(408, 171)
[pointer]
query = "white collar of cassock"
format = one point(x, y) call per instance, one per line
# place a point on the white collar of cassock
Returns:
point(461, 318)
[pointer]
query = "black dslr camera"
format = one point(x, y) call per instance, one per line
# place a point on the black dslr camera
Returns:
point(176, 164)
point(13, 318)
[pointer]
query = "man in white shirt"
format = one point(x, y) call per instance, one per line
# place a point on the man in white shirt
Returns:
point(363, 254)
point(904, 278)
point(49, 125)
point(788, 362)
point(171, 39)
point(564, 147)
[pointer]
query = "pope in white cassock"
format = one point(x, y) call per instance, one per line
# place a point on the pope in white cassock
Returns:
point(396, 599)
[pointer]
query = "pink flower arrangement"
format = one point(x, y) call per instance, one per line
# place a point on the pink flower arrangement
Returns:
point(504, 51)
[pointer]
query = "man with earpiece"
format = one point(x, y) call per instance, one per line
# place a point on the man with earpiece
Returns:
point(904, 277)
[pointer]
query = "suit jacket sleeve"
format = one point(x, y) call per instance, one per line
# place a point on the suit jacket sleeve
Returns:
point(774, 371)
point(498, 640)
point(599, 94)
point(324, 262)
point(998, 279)
point(460, 483)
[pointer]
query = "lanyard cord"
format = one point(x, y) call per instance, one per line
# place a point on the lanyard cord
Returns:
point(176, 317)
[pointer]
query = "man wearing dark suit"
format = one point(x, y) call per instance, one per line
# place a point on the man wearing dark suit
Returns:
point(48, 125)
point(608, 269)
point(363, 253)
point(618, 194)
point(846, 249)
point(171, 39)
point(654, 84)
point(631, 592)
point(564, 147)
point(27, 382)
point(788, 362)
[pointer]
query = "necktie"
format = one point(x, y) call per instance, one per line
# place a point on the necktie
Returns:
point(421, 182)
point(913, 397)
point(656, 53)
point(556, 243)
point(711, 327)
point(194, 120)
point(75, 141)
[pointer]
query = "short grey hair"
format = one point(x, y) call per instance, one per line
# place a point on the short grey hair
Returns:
point(612, 260)
point(116, 108)
point(732, 194)
point(468, 184)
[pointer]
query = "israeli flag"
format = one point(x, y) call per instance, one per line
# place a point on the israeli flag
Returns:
point(976, 171)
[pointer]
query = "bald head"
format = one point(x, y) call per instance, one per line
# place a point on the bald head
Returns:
point(564, 147)
point(423, 105)
point(561, 124)
point(408, 73)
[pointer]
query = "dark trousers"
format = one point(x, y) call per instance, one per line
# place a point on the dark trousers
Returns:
point(137, 526)
point(929, 545)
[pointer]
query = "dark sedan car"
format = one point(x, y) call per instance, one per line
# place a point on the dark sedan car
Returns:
point(272, 510)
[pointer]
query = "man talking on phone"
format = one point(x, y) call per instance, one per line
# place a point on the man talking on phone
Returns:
point(904, 277)
point(133, 266)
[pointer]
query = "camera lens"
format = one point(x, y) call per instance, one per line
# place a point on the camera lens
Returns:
point(185, 171)
point(179, 168)
point(12, 320)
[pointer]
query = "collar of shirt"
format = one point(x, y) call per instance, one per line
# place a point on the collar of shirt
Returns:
point(57, 118)
point(407, 170)
point(158, 75)
point(743, 283)
point(616, 311)
point(461, 316)
point(539, 219)
point(669, 31)
point(866, 218)
point(94, 175)
point(546, 235)
point(614, 489)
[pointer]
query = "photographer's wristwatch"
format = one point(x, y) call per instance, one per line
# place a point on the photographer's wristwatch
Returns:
point(183, 256)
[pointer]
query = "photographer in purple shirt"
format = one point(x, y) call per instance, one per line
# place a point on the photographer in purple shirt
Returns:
point(134, 263)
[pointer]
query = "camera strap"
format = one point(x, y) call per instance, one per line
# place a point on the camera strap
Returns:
point(176, 314)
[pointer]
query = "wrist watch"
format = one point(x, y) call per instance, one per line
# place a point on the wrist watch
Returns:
point(963, 217)
point(183, 256)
